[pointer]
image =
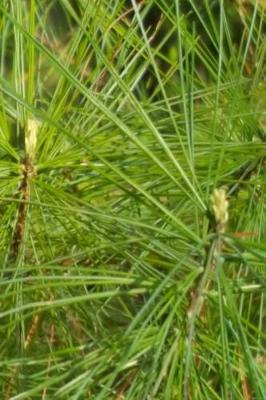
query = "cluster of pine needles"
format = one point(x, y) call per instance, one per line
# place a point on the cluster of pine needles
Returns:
point(132, 199)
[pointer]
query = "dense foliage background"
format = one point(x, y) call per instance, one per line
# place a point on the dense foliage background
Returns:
point(124, 127)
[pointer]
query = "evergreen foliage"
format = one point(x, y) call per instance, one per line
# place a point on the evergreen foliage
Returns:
point(132, 199)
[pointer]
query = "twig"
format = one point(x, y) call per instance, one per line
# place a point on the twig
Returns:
point(28, 171)
point(24, 190)
point(32, 330)
point(220, 213)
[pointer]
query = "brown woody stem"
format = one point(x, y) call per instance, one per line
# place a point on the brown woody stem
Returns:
point(24, 191)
